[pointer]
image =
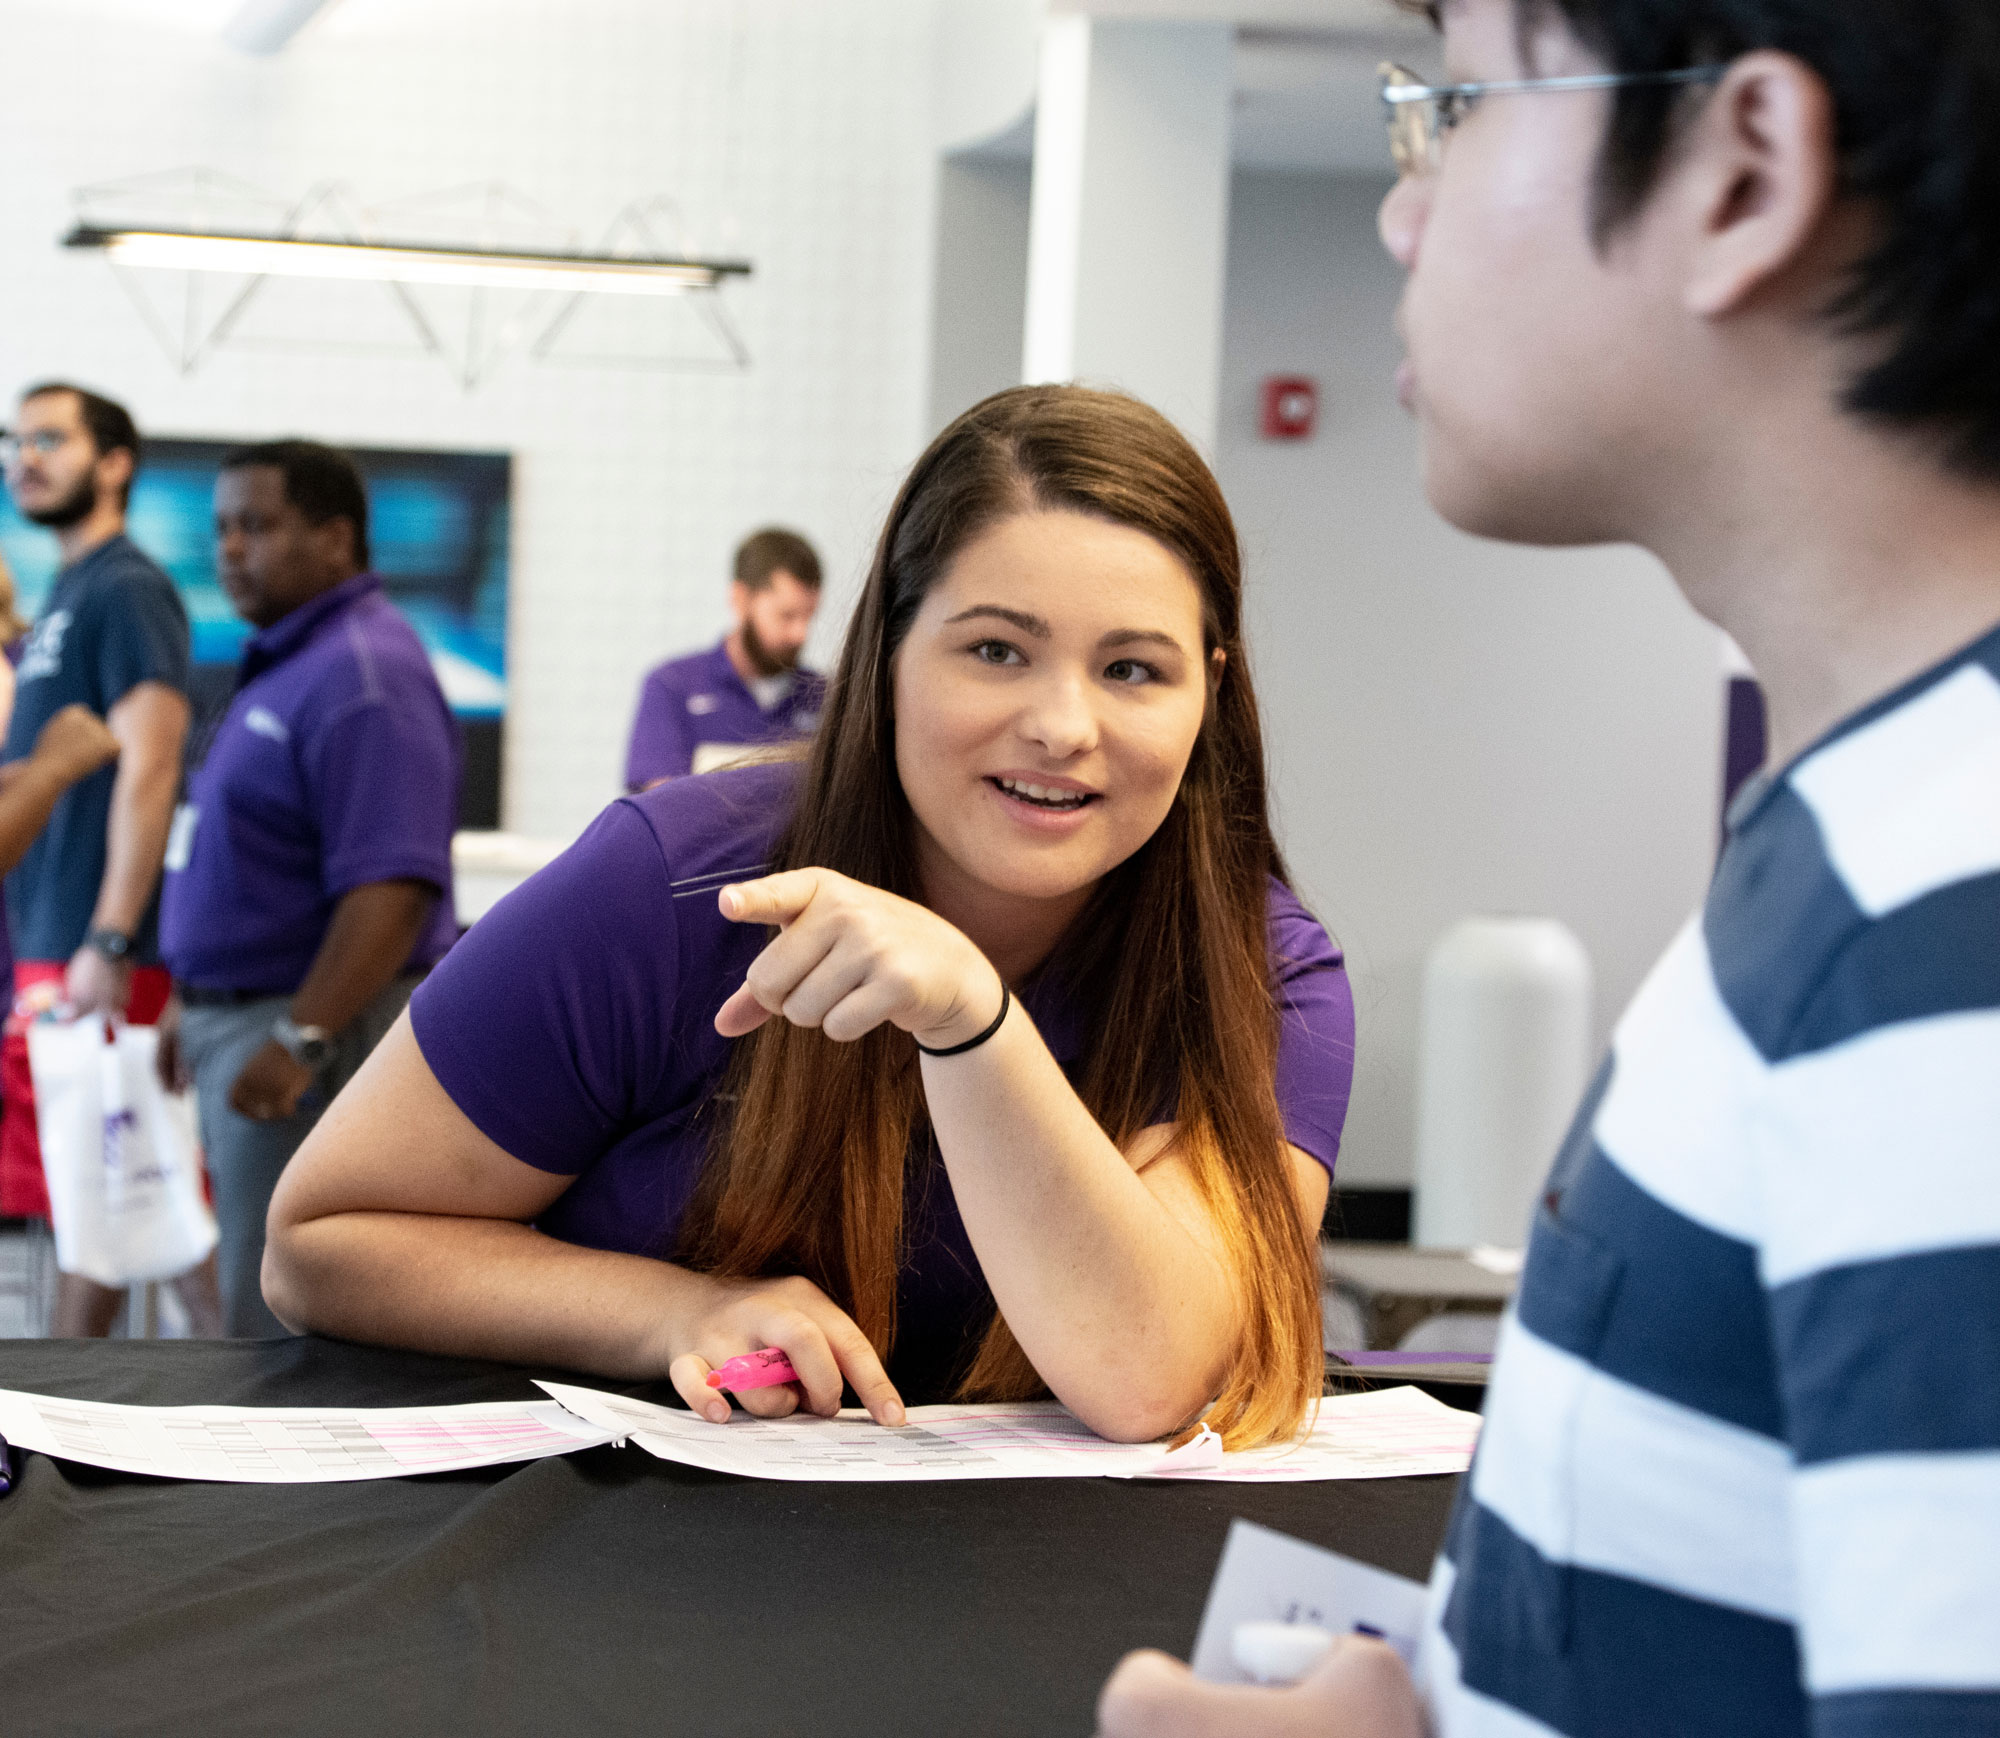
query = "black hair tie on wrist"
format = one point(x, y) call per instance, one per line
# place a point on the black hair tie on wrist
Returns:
point(999, 1019)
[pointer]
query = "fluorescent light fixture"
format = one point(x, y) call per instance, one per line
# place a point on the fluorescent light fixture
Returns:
point(455, 267)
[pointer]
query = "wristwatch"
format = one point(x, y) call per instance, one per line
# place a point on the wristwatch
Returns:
point(308, 1046)
point(114, 944)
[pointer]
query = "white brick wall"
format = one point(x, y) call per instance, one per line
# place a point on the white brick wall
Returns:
point(630, 488)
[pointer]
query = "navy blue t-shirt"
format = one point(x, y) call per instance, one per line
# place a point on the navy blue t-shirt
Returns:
point(113, 621)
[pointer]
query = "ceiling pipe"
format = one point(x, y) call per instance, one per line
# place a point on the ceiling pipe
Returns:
point(267, 26)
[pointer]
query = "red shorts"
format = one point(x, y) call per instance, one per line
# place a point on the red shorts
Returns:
point(37, 985)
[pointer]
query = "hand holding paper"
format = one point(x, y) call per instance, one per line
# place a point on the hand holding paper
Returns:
point(1269, 1593)
point(1360, 1690)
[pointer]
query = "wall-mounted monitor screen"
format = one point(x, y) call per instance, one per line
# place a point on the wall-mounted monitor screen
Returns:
point(438, 526)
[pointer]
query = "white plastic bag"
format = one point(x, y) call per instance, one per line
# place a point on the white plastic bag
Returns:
point(119, 1153)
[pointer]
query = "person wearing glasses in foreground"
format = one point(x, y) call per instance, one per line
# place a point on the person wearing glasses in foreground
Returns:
point(986, 1054)
point(1740, 1470)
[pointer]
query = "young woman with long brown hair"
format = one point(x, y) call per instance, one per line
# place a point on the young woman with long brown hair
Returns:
point(627, 1128)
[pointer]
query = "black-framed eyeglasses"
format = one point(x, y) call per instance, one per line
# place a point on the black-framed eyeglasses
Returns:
point(1420, 114)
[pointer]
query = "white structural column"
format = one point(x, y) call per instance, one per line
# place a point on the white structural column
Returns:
point(1128, 235)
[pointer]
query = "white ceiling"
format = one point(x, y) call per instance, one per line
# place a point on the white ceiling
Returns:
point(201, 15)
point(1305, 69)
point(257, 26)
point(1310, 99)
point(1305, 100)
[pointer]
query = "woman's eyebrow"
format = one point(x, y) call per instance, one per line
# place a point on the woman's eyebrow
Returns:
point(1019, 618)
point(1139, 637)
point(1039, 627)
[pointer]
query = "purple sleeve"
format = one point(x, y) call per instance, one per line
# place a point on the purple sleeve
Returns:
point(545, 1025)
point(1315, 1030)
point(383, 773)
point(661, 747)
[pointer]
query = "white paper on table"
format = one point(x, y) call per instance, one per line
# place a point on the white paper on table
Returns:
point(1036, 1439)
point(1390, 1433)
point(1266, 1577)
point(291, 1445)
point(1376, 1435)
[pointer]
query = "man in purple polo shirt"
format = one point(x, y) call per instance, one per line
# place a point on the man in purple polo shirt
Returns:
point(697, 714)
point(309, 872)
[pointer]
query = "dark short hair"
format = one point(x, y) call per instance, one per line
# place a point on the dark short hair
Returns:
point(1916, 92)
point(775, 550)
point(322, 482)
point(108, 423)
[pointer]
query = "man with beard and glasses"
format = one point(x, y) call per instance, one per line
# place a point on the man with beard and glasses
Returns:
point(701, 713)
point(113, 637)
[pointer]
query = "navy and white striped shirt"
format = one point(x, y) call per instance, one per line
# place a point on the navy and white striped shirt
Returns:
point(1741, 1463)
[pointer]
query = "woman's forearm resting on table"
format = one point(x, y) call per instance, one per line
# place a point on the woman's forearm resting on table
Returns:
point(1111, 1277)
point(481, 1288)
point(1107, 1266)
point(399, 1222)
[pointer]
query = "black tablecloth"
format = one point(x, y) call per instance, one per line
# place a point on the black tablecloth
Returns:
point(605, 1592)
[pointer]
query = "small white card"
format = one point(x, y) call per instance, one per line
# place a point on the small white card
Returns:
point(180, 836)
point(1266, 1577)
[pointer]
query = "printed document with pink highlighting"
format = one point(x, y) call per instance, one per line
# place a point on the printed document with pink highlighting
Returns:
point(291, 1445)
point(1391, 1433)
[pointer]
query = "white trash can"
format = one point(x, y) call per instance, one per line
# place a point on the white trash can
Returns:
point(1503, 1057)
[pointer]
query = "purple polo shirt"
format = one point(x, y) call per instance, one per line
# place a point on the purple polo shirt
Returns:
point(574, 1026)
point(702, 699)
point(336, 765)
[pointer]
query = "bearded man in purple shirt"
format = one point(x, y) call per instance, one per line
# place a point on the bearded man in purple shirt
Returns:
point(698, 714)
point(309, 871)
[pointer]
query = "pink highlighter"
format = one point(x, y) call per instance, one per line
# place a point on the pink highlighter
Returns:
point(763, 1369)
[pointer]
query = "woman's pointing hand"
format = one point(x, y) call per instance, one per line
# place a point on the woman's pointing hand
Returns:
point(850, 957)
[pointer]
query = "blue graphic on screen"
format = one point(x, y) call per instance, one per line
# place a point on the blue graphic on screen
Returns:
point(438, 531)
point(437, 523)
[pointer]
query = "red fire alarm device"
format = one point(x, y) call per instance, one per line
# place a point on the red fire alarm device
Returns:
point(1291, 407)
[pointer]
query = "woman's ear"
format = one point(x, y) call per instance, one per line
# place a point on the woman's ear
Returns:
point(1761, 170)
point(1217, 662)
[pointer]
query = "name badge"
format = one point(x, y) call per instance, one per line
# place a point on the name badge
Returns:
point(180, 836)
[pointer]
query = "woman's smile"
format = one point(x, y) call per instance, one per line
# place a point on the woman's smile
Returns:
point(1044, 801)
